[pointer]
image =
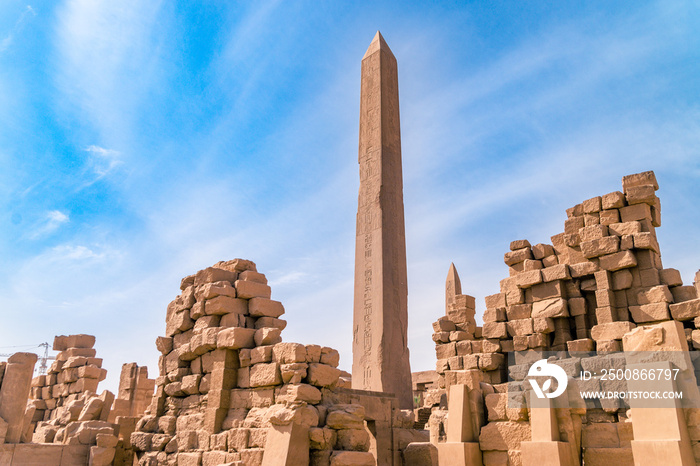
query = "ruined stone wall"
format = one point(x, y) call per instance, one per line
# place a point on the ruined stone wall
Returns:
point(73, 418)
point(586, 292)
point(135, 392)
point(230, 391)
point(15, 379)
point(75, 370)
point(598, 279)
point(66, 409)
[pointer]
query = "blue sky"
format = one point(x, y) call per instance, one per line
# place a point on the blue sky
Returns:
point(142, 141)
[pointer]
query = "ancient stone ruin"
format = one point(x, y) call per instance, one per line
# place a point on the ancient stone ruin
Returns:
point(576, 317)
point(598, 289)
point(229, 389)
point(135, 392)
point(62, 420)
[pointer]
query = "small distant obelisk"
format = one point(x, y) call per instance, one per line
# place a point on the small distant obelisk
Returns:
point(453, 287)
point(380, 328)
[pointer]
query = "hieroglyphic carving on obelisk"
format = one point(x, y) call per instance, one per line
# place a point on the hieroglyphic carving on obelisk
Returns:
point(380, 327)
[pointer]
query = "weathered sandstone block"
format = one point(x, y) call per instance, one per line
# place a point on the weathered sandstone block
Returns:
point(556, 272)
point(553, 307)
point(14, 392)
point(64, 342)
point(236, 338)
point(504, 435)
point(212, 275)
point(600, 247)
point(617, 261)
point(635, 212)
point(686, 310)
point(267, 336)
point(225, 305)
point(528, 278)
point(346, 417)
point(639, 179)
point(322, 375)
point(286, 353)
point(649, 312)
point(248, 289)
point(494, 330)
point(611, 330)
point(263, 307)
point(352, 458)
point(517, 256)
point(298, 392)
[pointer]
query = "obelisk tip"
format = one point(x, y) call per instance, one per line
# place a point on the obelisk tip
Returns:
point(377, 44)
point(453, 285)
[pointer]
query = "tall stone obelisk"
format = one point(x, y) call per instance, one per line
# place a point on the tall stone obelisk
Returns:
point(380, 328)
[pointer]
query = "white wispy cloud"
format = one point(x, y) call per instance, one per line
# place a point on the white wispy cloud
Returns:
point(107, 61)
point(72, 253)
point(103, 161)
point(50, 222)
point(250, 28)
point(293, 277)
point(78, 287)
point(19, 25)
point(55, 264)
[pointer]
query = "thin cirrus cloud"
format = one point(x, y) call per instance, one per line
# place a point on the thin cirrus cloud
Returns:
point(50, 222)
point(107, 61)
point(79, 261)
point(24, 17)
point(100, 163)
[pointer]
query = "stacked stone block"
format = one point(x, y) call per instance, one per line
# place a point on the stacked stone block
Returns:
point(599, 282)
point(135, 391)
point(133, 398)
point(606, 442)
point(16, 425)
point(462, 347)
point(15, 379)
point(83, 421)
point(66, 409)
point(75, 371)
point(227, 380)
